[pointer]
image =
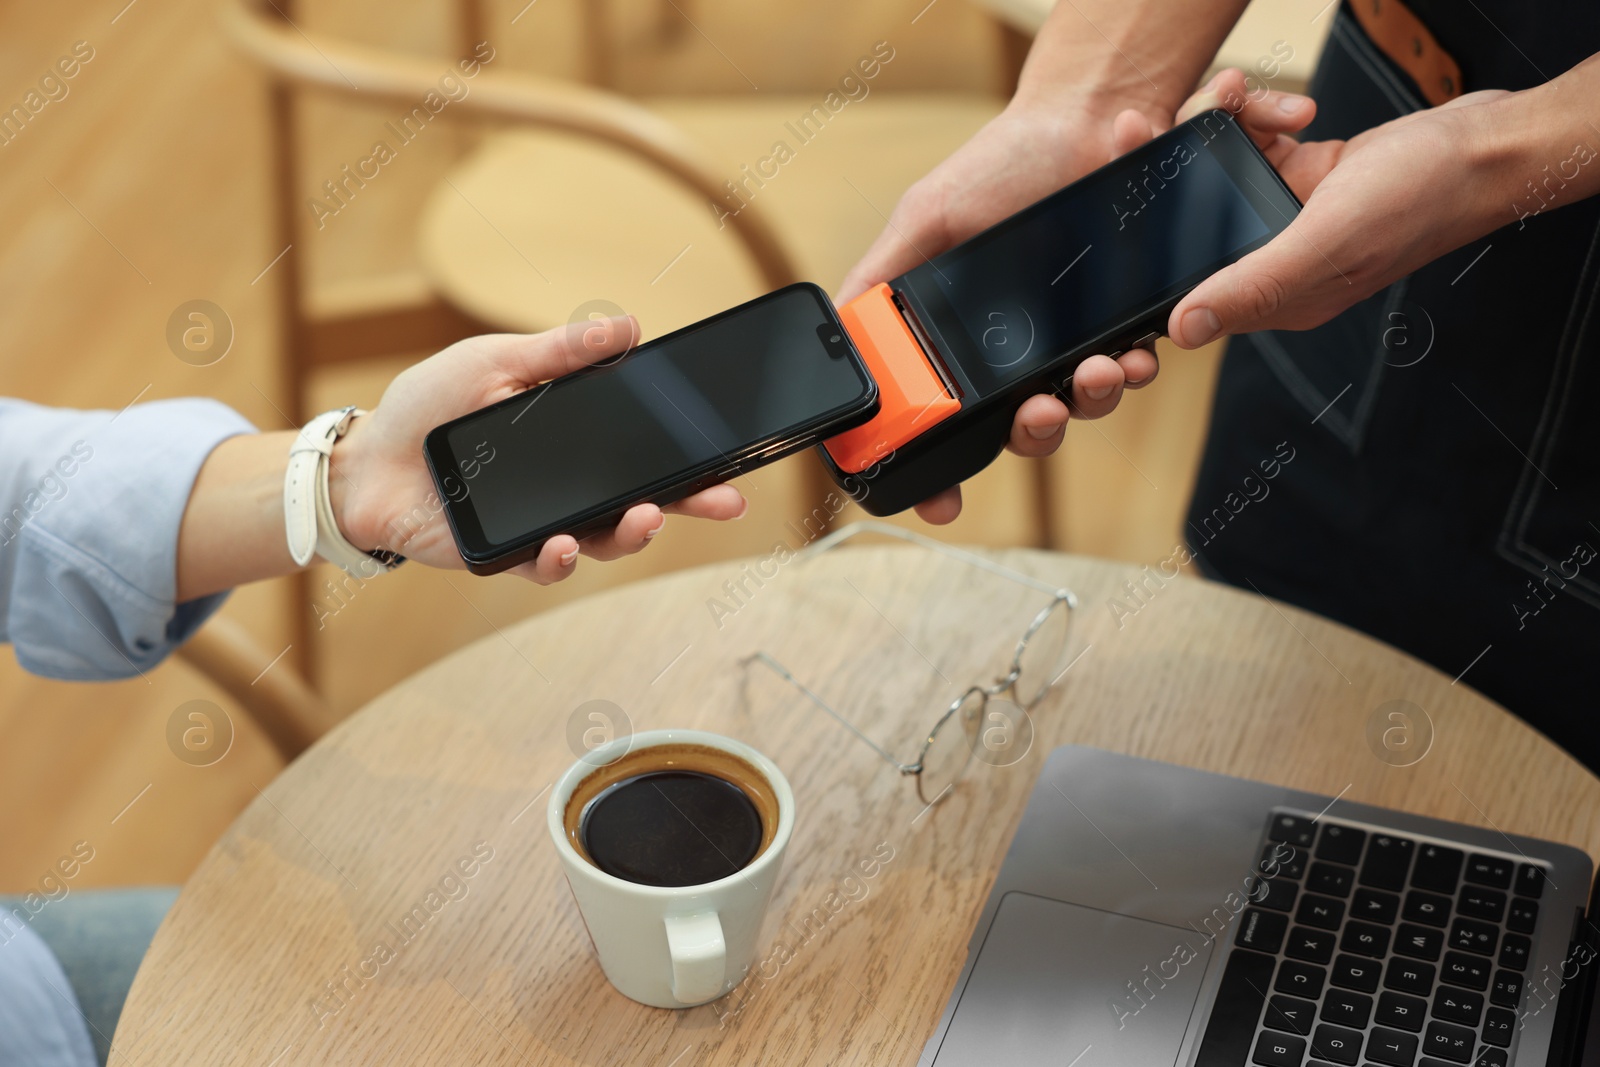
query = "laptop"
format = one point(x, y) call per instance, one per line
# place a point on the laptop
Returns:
point(1149, 915)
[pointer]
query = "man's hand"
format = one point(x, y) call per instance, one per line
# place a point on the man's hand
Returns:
point(1023, 155)
point(383, 495)
point(1377, 207)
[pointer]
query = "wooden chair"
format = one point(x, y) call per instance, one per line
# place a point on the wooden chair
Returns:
point(280, 701)
point(403, 315)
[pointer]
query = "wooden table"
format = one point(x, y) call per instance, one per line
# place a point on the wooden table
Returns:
point(334, 856)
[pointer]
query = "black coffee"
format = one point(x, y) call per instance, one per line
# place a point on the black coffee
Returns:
point(671, 828)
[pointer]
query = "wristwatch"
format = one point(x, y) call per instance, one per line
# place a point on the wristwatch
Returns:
point(308, 509)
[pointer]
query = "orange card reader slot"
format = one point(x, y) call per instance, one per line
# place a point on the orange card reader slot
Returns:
point(912, 397)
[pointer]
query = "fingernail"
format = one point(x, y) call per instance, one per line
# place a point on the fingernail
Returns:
point(1212, 84)
point(1289, 103)
point(1100, 393)
point(1200, 325)
point(659, 527)
point(1043, 433)
point(568, 558)
point(743, 507)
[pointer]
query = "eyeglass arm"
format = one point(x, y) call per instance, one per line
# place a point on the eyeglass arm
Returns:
point(783, 672)
point(844, 533)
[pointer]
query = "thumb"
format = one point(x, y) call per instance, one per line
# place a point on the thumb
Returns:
point(1269, 288)
point(533, 358)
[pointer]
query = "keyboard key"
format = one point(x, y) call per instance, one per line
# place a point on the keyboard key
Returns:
point(1489, 870)
point(1307, 944)
point(1232, 1026)
point(1283, 861)
point(1523, 916)
point(1418, 942)
point(1408, 976)
point(1353, 972)
point(1474, 937)
point(1399, 1010)
point(1498, 1026)
point(1336, 1044)
point(1463, 970)
point(1514, 952)
point(1391, 1047)
point(1374, 906)
point(1427, 908)
point(1279, 1050)
point(1325, 913)
point(1388, 860)
point(1365, 939)
point(1330, 879)
point(1437, 869)
point(1346, 1009)
point(1291, 1015)
point(1429, 1061)
point(1297, 830)
point(1507, 990)
point(1341, 844)
point(1452, 1042)
point(1275, 893)
point(1530, 881)
point(1479, 903)
point(1489, 1057)
point(1262, 930)
point(1300, 979)
point(1458, 1005)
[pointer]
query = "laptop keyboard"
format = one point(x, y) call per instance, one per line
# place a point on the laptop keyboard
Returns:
point(1368, 948)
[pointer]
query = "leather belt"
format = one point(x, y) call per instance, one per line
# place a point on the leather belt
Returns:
point(1402, 37)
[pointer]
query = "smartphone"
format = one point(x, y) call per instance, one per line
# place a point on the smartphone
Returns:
point(673, 416)
point(961, 341)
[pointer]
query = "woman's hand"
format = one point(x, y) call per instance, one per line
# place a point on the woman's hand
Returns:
point(1021, 156)
point(384, 497)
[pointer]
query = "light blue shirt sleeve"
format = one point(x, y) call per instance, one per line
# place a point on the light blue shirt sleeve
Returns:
point(90, 506)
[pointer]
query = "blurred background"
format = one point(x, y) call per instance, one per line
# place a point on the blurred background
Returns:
point(215, 151)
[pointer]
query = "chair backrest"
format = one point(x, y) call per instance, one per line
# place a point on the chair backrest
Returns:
point(304, 60)
point(288, 710)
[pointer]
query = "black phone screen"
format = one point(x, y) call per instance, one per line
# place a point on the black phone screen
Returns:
point(1074, 265)
point(699, 399)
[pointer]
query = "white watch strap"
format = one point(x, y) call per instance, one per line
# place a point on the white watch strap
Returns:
point(308, 508)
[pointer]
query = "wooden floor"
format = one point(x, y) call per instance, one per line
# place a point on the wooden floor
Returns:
point(145, 187)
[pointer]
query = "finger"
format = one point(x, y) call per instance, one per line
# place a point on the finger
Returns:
point(532, 358)
point(941, 509)
point(1139, 368)
point(1097, 386)
point(914, 233)
point(1040, 425)
point(1129, 130)
point(557, 559)
point(891, 255)
point(642, 522)
point(1263, 113)
point(1280, 285)
point(720, 502)
point(638, 525)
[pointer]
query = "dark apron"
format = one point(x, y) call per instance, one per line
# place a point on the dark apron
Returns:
point(1428, 503)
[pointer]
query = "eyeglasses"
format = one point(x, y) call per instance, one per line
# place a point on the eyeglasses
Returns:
point(958, 733)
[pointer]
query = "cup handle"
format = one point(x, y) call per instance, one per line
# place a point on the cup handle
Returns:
point(699, 956)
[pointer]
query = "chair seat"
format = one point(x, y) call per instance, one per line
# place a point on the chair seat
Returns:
point(534, 226)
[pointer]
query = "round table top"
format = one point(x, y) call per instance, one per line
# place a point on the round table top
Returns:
point(271, 951)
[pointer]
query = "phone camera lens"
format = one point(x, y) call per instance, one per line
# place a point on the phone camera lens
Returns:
point(835, 339)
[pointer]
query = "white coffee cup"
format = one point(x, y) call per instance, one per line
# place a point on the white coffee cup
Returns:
point(672, 947)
